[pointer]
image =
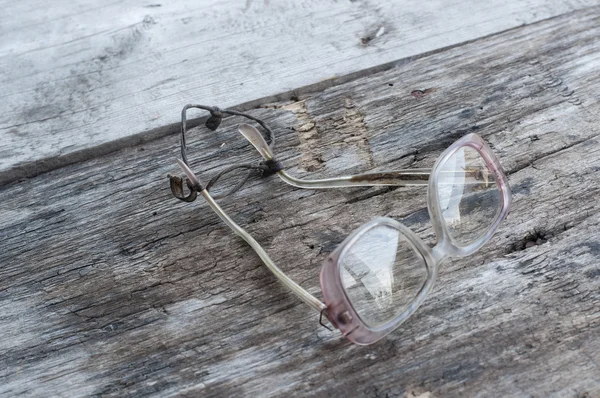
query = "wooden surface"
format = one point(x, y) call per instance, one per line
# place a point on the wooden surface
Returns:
point(111, 287)
point(80, 78)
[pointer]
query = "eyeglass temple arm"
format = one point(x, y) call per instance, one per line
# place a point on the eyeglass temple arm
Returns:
point(410, 177)
point(399, 178)
point(264, 145)
point(303, 294)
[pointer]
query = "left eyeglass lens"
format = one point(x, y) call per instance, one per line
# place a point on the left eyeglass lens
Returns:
point(468, 196)
point(382, 273)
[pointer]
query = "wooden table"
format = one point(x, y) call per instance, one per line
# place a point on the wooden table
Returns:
point(111, 287)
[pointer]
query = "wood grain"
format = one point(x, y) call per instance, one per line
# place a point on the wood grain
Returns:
point(110, 287)
point(81, 79)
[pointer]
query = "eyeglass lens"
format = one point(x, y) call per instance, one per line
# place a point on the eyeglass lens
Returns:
point(468, 195)
point(382, 273)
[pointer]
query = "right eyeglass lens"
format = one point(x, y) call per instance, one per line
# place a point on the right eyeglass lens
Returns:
point(468, 195)
point(382, 273)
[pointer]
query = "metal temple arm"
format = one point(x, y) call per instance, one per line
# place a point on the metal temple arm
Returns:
point(303, 294)
point(401, 178)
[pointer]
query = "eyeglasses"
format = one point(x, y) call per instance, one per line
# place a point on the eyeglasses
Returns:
point(382, 272)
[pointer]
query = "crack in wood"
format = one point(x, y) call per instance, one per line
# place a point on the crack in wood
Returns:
point(550, 81)
point(307, 133)
point(349, 126)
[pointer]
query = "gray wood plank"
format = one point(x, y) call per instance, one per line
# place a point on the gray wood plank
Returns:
point(80, 79)
point(109, 286)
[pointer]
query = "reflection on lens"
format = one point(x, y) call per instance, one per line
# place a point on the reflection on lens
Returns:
point(468, 195)
point(382, 273)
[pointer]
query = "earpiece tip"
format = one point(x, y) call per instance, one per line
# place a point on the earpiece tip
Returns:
point(256, 139)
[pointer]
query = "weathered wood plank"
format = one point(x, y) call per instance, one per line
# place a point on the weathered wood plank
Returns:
point(108, 286)
point(77, 76)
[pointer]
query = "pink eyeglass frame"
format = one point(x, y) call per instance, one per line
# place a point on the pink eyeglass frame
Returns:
point(337, 307)
point(341, 312)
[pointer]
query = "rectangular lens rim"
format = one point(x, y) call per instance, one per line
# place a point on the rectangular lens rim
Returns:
point(445, 245)
point(342, 313)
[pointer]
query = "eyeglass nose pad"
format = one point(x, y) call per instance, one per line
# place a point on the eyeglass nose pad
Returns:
point(257, 140)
